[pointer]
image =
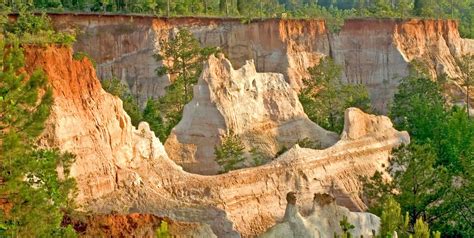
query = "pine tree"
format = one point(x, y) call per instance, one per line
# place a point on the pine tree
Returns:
point(29, 182)
point(184, 59)
point(391, 217)
point(346, 227)
point(230, 153)
point(151, 114)
point(466, 65)
point(130, 104)
point(325, 98)
point(422, 230)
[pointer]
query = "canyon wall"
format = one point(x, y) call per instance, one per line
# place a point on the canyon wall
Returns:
point(91, 123)
point(374, 52)
point(120, 169)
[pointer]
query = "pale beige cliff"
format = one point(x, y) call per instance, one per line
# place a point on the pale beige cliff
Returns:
point(261, 108)
point(125, 170)
point(374, 52)
point(323, 220)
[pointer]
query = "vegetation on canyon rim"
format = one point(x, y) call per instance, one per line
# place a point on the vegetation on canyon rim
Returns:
point(33, 197)
point(334, 11)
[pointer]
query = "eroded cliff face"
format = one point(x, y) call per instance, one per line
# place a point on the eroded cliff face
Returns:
point(125, 170)
point(374, 52)
point(91, 123)
point(124, 46)
point(261, 108)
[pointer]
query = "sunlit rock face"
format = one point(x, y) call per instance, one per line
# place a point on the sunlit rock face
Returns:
point(323, 221)
point(377, 52)
point(261, 108)
point(373, 52)
point(92, 124)
point(122, 170)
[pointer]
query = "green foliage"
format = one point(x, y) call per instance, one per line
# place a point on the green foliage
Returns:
point(130, 104)
point(420, 183)
point(466, 65)
point(81, 55)
point(346, 227)
point(36, 29)
point(29, 181)
point(162, 231)
point(432, 177)
point(258, 157)
point(325, 98)
point(151, 114)
point(418, 107)
point(308, 143)
point(376, 191)
point(230, 153)
point(391, 217)
point(422, 230)
point(393, 223)
point(184, 59)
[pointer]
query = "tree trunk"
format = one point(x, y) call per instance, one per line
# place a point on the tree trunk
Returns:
point(205, 6)
point(467, 100)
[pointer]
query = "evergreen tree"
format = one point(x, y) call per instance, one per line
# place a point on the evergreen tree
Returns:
point(466, 65)
point(183, 57)
point(422, 230)
point(130, 104)
point(346, 227)
point(29, 183)
point(420, 183)
point(391, 217)
point(432, 177)
point(151, 114)
point(325, 98)
point(230, 153)
point(418, 106)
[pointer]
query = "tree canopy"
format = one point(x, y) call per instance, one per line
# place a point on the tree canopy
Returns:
point(433, 176)
point(334, 11)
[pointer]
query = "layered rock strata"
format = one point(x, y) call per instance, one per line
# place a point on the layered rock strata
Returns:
point(261, 108)
point(323, 221)
point(91, 123)
point(125, 170)
point(374, 52)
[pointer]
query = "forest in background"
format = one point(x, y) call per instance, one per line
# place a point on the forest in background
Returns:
point(334, 11)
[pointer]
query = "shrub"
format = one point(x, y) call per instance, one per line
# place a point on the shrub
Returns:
point(230, 153)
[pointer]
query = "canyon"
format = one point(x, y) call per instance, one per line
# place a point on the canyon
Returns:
point(120, 169)
point(127, 177)
point(373, 52)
